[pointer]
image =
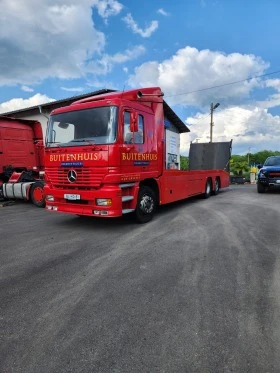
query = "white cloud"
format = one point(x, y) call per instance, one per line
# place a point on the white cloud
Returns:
point(145, 33)
point(125, 69)
point(108, 8)
point(73, 89)
point(272, 100)
point(248, 127)
point(56, 37)
point(25, 88)
point(273, 83)
point(191, 69)
point(20, 103)
point(105, 63)
point(163, 12)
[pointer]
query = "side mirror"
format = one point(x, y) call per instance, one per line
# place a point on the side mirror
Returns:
point(259, 166)
point(133, 122)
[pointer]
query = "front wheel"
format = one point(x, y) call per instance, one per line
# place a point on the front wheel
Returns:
point(37, 194)
point(146, 205)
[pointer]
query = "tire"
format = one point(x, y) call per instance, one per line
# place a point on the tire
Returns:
point(216, 187)
point(260, 188)
point(146, 205)
point(208, 189)
point(37, 195)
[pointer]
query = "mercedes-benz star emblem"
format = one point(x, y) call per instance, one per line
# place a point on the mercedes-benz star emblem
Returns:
point(72, 176)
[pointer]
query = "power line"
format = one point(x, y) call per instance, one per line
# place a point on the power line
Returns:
point(226, 84)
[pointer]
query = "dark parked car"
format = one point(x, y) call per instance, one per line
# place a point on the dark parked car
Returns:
point(237, 180)
point(269, 175)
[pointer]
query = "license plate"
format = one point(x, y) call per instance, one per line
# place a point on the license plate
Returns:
point(72, 197)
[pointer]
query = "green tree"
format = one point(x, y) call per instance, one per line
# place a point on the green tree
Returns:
point(260, 157)
point(184, 162)
point(238, 165)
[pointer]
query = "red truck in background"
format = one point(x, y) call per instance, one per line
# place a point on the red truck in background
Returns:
point(21, 160)
point(118, 153)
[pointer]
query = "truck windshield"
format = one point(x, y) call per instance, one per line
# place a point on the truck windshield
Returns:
point(89, 126)
point(275, 161)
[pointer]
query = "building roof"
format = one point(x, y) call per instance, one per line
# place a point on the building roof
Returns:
point(11, 119)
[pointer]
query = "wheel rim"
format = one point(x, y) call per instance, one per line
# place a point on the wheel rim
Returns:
point(208, 188)
point(146, 204)
point(38, 194)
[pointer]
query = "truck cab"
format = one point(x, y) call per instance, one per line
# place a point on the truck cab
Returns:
point(21, 160)
point(269, 174)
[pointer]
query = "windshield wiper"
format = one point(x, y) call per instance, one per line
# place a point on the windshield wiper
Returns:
point(84, 140)
point(53, 142)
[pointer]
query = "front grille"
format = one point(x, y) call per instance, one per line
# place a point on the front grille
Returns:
point(86, 177)
point(274, 174)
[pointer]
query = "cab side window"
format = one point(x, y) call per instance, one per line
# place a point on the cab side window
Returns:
point(139, 136)
point(136, 137)
point(127, 135)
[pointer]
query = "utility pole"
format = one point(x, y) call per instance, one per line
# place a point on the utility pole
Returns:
point(212, 108)
point(211, 122)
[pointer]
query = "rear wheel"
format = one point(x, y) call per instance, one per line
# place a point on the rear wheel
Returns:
point(146, 205)
point(216, 188)
point(260, 188)
point(37, 194)
point(208, 188)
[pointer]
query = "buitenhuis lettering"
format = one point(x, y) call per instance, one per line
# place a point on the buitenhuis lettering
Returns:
point(73, 157)
point(139, 156)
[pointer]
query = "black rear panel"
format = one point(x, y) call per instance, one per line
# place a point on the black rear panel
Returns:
point(210, 156)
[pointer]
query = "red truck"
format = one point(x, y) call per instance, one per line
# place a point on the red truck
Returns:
point(21, 160)
point(119, 153)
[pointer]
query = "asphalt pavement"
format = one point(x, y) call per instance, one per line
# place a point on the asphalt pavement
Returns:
point(195, 290)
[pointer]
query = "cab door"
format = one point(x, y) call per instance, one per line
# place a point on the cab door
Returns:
point(134, 156)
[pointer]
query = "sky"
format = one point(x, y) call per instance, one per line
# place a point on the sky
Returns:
point(195, 50)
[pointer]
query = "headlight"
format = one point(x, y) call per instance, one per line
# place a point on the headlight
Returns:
point(49, 198)
point(103, 201)
point(262, 174)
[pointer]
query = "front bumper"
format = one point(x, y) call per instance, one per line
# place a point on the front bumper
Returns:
point(269, 182)
point(86, 205)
